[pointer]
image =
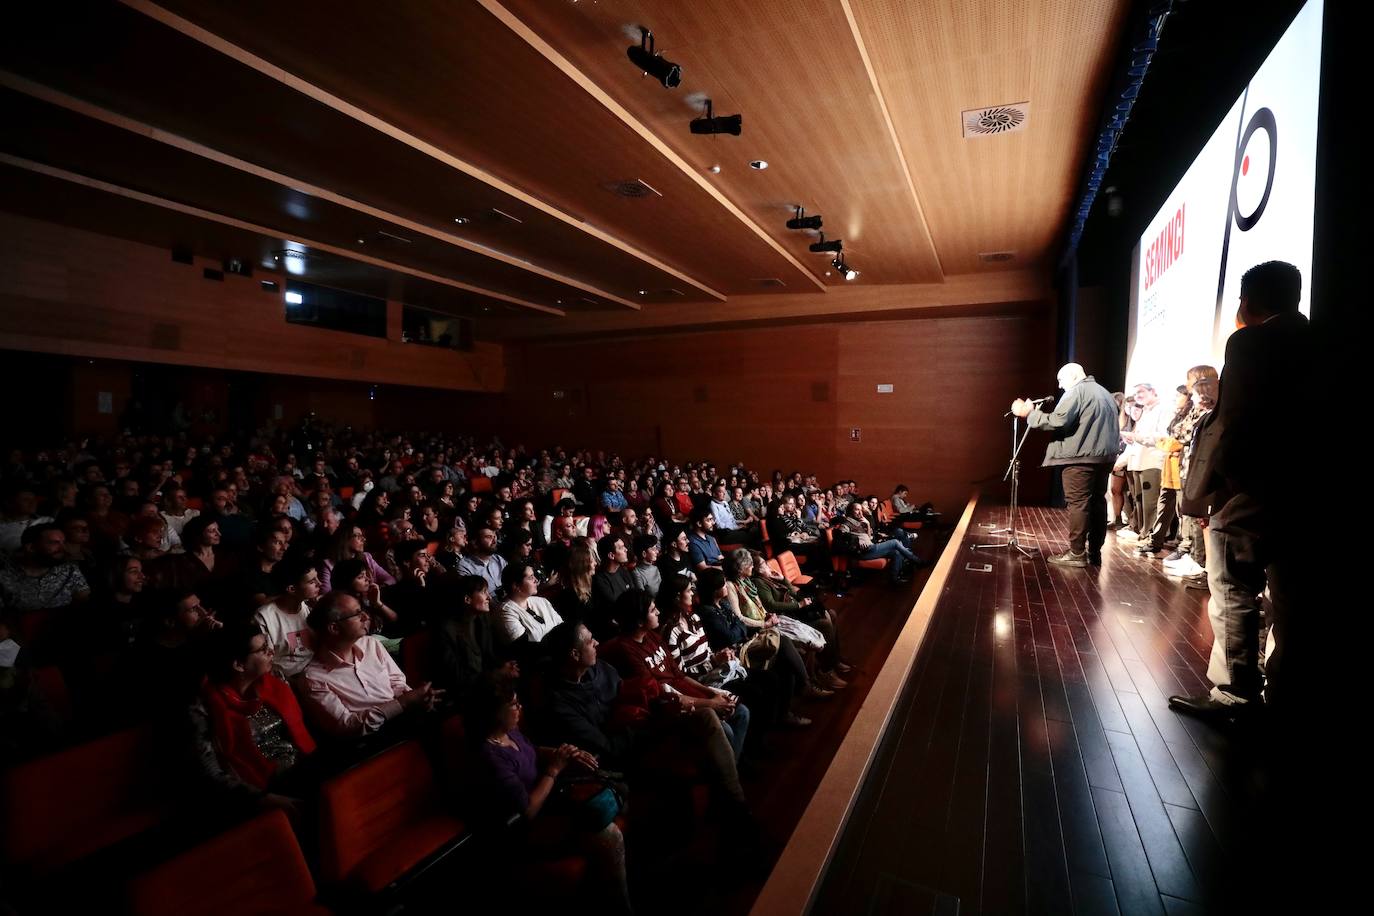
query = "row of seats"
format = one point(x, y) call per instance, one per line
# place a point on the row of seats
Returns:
point(383, 823)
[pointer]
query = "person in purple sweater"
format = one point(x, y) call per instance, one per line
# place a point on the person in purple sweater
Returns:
point(516, 779)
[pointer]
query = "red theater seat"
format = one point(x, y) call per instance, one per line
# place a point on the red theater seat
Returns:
point(382, 819)
point(791, 570)
point(480, 484)
point(65, 806)
point(256, 867)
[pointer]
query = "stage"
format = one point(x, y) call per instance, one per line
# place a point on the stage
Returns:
point(1032, 763)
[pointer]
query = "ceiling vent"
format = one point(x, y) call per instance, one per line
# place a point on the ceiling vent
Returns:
point(1000, 119)
point(996, 257)
point(634, 188)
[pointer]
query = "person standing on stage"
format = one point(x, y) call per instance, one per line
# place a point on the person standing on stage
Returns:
point(1257, 501)
point(1086, 440)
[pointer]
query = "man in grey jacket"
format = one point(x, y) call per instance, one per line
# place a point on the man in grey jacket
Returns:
point(1086, 440)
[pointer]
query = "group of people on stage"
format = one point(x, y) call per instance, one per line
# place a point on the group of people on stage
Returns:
point(1199, 478)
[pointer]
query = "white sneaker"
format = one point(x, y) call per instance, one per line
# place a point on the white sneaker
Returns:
point(1126, 534)
point(1184, 567)
point(1174, 557)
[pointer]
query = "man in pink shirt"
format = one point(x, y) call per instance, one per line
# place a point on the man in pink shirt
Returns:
point(352, 687)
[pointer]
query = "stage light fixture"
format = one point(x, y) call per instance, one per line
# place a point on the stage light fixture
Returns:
point(843, 269)
point(660, 68)
point(824, 247)
point(710, 124)
point(802, 221)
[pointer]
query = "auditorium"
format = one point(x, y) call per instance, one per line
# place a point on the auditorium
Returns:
point(676, 457)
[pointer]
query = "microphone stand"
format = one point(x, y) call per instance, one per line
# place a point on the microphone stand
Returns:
point(1018, 439)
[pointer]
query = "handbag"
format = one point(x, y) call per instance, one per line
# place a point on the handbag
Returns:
point(759, 652)
point(595, 798)
point(803, 635)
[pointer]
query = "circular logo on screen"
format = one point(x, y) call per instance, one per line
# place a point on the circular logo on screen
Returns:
point(1253, 179)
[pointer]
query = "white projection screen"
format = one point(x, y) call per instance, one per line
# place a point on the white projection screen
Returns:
point(1247, 198)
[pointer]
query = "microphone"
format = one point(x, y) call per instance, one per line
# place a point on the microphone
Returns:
point(1036, 402)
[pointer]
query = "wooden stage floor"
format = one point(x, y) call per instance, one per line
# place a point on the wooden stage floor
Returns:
point(1033, 764)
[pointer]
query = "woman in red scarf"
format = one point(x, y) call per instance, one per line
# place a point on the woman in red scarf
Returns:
point(250, 734)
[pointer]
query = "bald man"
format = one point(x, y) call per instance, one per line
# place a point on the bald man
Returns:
point(1085, 441)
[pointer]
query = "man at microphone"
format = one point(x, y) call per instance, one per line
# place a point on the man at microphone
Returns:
point(1085, 442)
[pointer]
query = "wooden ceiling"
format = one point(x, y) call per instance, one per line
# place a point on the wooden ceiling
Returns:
point(362, 131)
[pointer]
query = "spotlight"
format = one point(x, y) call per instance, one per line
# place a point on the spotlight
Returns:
point(660, 68)
point(823, 246)
point(843, 269)
point(710, 124)
point(802, 221)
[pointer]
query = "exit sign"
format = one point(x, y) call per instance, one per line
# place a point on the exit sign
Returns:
point(855, 434)
point(885, 389)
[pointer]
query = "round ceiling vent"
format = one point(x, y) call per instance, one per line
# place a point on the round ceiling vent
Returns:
point(999, 119)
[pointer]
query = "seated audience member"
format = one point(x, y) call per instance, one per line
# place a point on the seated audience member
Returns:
point(509, 781)
point(768, 695)
point(198, 564)
point(728, 530)
point(20, 514)
point(285, 620)
point(482, 559)
point(464, 642)
point(561, 534)
point(610, 582)
point(726, 629)
point(642, 657)
point(613, 500)
point(675, 559)
point(414, 597)
point(108, 524)
point(859, 531)
point(175, 511)
point(646, 576)
point(524, 618)
point(905, 511)
point(574, 601)
point(702, 546)
point(524, 517)
point(519, 548)
point(780, 597)
point(352, 577)
point(743, 598)
point(40, 577)
point(667, 510)
point(256, 581)
point(351, 686)
point(579, 708)
point(77, 531)
point(350, 543)
point(235, 527)
point(648, 524)
point(450, 554)
point(170, 660)
point(250, 736)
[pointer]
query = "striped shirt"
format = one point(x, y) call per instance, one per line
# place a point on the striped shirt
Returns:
point(687, 641)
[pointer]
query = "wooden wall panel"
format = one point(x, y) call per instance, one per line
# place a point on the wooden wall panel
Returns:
point(940, 430)
point(78, 293)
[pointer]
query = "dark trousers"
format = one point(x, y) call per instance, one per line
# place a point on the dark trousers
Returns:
point(1085, 491)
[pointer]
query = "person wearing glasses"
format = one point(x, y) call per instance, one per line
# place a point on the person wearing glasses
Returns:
point(352, 687)
point(250, 735)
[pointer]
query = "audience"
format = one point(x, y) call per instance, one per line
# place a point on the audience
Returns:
point(322, 578)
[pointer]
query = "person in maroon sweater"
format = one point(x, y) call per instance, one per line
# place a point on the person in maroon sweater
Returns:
point(643, 659)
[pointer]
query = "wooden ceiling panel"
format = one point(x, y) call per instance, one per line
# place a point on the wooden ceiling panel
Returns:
point(119, 59)
point(451, 73)
point(56, 136)
point(790, 67)
point(52, 199)
point(936, 58)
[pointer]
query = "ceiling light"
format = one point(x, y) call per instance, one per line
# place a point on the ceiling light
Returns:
point(758, 164)
point(660, 68)
point(822, 247)
point(802, 221)
point(644, 292)
point(714, 170)
point(461, 220)
point(293, 297)
point(844, 269)
point(710, 124)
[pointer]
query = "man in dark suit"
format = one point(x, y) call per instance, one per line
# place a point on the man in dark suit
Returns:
point(1253, 491)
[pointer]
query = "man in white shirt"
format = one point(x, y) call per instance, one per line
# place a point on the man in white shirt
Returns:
point(1146, 459)
point(21, 512)
point(352, 687)
point(285, 620)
